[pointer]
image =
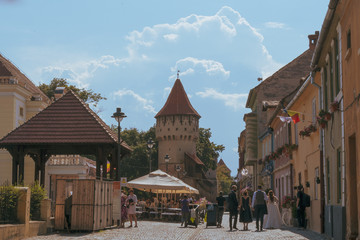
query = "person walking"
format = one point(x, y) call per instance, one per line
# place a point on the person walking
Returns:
point(233, 207)
point(185, 211)
point(300, 207)
point(219, 215)
point(259, 205)
point(245, 210)
point(131, 202)
point(124, 210)
point(273, 218)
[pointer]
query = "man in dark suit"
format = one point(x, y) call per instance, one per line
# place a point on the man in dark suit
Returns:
point(259, 205)
point(233, 207)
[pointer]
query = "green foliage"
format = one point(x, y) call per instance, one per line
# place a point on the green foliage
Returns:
point(87, 96)
point(206, 150)
point(224, 179)
point(38, 193)
point(9, 196)
point(137, 163)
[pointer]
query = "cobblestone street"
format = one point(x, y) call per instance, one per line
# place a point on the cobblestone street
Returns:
point(162, 230)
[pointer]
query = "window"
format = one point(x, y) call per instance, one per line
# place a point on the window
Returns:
point(314, 111)
point(299, 178)
point(331, 74)
point(328, 178)
point(348, 39)
point(316, 188)
point(325, 88)
point(338, 154)
point(337, 67)
point(296, 134)
point(21, 111)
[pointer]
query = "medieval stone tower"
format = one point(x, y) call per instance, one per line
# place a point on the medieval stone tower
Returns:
point(177, 130)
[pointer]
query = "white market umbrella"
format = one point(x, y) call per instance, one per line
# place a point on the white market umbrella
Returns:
point(161, 182)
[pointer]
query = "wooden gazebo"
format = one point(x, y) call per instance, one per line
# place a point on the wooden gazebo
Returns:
point(67, 126)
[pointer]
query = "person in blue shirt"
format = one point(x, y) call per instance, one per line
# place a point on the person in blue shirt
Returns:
point(185, 210)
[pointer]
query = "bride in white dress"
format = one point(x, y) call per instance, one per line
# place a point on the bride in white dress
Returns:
point(273, 218)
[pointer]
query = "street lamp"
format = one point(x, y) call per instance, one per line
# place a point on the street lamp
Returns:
point(167, 159)
point(150, 145)
point(118, 115)
point(178, 169)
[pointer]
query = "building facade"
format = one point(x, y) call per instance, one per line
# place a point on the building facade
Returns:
point(274, 88)
point(307, 156)
point(20, 100)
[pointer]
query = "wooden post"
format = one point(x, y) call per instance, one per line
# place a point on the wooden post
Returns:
point(104, 163)
point(14, 169)
point(43, 159)
point(21, 165)
point(112, 164)
point(98, 163)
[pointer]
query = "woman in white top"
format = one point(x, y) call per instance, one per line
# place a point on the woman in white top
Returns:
point(131, 203)
point(273, 218)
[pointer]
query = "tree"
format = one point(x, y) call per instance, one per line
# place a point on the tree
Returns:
point(223, 178)
point(206, 150)
point(87, 96)
point(137, 163)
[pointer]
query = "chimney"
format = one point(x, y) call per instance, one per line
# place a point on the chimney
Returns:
point(313, 39)
point(59, 92)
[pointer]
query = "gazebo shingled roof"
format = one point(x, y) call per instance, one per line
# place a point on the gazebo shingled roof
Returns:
point(67, 126)
point(67, 120)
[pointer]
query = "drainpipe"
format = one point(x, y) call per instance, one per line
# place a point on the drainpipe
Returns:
point(322, 158)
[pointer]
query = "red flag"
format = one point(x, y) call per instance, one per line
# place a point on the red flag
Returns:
point(295, 118)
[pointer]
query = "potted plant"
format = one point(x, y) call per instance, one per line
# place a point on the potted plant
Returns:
point(304, 133)
point(322, 122)
point(334, 106)
point(311, 128)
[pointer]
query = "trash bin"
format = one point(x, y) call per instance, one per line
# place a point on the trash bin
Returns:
point(211, 211)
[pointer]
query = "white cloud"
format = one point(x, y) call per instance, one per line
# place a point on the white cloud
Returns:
point(190, 65)
point(79, 72)
point(171, 37)
point(144, 103)
point(275, 25)
point(227, 35)
point(234, 100)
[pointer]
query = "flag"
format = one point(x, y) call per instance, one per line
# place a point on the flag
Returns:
point(295, 118)
point(285, 119)
point(291, 113)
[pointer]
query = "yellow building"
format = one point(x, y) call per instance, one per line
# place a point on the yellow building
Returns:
point(349, 34)
point(20, 99)
point(336, 62)
point(306, 159)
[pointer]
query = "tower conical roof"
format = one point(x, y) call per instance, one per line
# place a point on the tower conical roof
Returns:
point(177, 103)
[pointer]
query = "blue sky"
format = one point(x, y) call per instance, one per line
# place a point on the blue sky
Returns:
point(130, 51)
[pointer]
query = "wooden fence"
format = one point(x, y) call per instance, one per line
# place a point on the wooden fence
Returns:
point(92, 203)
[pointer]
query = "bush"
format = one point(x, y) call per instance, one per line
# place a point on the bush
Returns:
point(9, 197)
point(38, 193)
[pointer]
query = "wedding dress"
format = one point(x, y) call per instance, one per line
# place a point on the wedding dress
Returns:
point(273, 218)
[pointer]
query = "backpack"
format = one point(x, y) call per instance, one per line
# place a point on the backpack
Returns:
point(306, 200)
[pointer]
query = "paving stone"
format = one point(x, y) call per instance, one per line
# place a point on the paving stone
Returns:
point(151, 230)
